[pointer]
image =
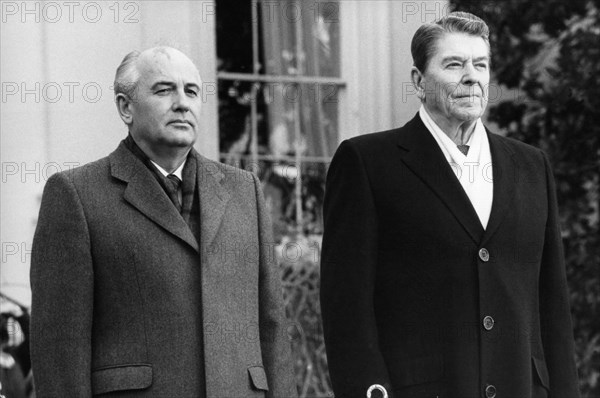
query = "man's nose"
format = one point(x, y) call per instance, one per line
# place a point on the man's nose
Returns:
point(470, 75)
point(181, 102)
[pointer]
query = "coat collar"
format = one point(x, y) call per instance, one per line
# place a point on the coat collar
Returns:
point(145, 194)
point(421, 153)
point(505, 173)
point(213, 198)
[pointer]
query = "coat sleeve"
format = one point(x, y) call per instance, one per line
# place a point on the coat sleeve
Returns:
point(348, 269)
point(62, 294)
point(275, 344)
point(557, 329)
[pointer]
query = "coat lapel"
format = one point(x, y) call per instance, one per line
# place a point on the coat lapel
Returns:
point(145, 194)
point(421, 153)
point(213, 199)
point(505, 174)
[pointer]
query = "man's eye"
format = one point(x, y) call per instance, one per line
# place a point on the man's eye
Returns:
point(481, 65)
point(454, 65)
point(192, 93)
point(163, 91)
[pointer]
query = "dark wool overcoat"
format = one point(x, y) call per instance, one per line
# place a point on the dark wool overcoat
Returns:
point(127, 302)
point(417, 296)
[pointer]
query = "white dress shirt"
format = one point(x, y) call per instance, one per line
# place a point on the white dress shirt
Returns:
point(474, 171)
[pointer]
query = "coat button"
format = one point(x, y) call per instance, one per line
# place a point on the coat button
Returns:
point(488, 323)
point(484, 254)
point(490, 391)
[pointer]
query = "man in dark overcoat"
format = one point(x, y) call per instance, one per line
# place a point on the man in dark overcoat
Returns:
point(442, 264)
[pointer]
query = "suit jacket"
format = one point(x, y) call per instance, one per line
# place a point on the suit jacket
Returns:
point(418, 297)
point(126, 301)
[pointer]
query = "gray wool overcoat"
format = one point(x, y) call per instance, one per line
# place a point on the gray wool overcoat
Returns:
point(127, 302)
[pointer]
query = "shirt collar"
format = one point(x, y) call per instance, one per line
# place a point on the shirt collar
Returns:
point(178, 171)
point(446, 143)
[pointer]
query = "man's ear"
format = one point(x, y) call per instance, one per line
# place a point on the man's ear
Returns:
point(124, 107)
point(418, 81)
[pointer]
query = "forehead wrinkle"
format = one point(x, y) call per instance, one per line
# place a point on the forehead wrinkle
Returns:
point(471, 46)
point(154, 71)
point(163, 83)
point(166, 64)
point(470, 51)
point(455, 57)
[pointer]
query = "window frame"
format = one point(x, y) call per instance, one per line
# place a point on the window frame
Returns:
point(256, 78)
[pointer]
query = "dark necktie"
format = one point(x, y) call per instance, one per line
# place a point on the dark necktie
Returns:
point(173, 185)
point(463, 148)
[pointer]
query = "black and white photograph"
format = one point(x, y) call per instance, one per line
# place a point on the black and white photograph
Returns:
point(300, 198)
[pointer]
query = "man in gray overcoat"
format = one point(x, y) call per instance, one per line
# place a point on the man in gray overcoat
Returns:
point(152, 269)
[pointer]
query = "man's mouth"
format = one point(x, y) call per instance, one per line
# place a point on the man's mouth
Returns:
point(467, 96)
point(181, 122)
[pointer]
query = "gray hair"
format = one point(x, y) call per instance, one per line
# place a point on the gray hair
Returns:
point(424, 40)
point(127, 76)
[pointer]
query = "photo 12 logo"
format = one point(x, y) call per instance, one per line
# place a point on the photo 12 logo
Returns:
point(70, 11)
point(424, 11)
point(33, 172)
point(16, 252)
point(51, 92)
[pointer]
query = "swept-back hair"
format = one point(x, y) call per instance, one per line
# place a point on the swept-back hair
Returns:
point(425, 39)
